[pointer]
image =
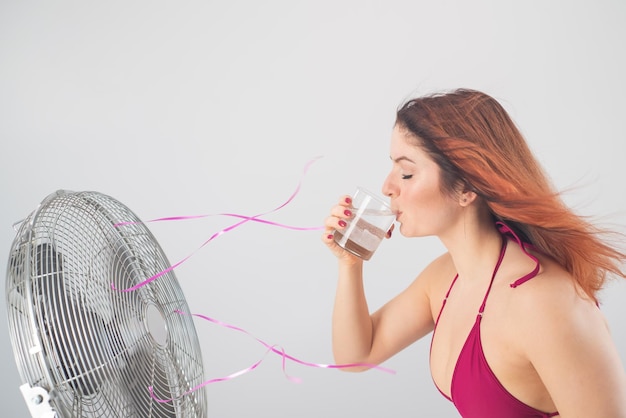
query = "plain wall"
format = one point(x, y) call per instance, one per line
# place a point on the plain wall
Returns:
point(200, 107)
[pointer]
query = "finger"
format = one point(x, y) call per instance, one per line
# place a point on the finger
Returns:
point(390, 232)
point(345, 200)
point(333, 223)
point(343, 212)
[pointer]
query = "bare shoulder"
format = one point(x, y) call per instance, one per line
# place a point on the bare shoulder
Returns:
point(552, 304)
point(439, 273)
point(435, 280)
point(564, 335)
point(554, 297)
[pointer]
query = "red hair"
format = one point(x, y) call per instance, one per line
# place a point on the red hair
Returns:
point(479, 148)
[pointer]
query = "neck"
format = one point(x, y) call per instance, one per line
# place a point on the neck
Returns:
point(474, 244)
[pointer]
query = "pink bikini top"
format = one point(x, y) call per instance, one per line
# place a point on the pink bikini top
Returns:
point(476, 391)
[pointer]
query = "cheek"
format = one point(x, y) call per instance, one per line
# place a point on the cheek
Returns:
point(423, 197)
point(426, 210)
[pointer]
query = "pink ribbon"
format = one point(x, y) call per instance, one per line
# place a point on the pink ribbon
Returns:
point(270, 349)
point(255, 218)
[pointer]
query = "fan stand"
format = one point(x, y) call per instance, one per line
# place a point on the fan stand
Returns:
point(38, 401)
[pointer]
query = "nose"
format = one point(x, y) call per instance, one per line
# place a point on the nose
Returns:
point(389, 188)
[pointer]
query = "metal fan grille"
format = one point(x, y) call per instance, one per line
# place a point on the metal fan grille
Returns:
point(96, 350)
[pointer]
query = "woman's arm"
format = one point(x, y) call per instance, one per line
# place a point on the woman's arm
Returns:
point(359, 337)
point(370, 339)
point(352, 325)
point(351, 322)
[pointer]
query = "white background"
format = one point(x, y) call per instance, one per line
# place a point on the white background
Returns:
point(198, 107)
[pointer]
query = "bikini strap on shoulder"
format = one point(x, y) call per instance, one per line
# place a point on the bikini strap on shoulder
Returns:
point(506, 230)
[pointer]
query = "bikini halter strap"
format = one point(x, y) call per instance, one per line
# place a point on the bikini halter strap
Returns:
point(506, 230)
point(493, 275)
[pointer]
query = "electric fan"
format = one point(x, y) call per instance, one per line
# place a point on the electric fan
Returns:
point(83, 347)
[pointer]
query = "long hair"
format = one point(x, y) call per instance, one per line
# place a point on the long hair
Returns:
point(478, 147)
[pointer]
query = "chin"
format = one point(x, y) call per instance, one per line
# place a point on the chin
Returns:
point(413, 232)
point(406, 231)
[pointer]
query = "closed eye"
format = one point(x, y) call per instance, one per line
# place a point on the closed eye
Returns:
point(406, 176)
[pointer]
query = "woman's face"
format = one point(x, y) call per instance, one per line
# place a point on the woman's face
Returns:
point(414, 186)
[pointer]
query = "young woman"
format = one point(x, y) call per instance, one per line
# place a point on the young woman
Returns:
point(512, 303)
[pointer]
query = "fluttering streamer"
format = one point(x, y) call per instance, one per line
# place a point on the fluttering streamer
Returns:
point(269, 348)
point(276, 349)
point(244, 219)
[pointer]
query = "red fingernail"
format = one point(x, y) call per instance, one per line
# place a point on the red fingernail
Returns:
point(347, 212)
point(330, 236)
point(348, 200)
point(342, 223)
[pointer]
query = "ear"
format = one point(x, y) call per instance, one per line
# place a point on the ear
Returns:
point(467, 197)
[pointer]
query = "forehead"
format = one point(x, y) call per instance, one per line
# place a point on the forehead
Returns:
point(405, 147)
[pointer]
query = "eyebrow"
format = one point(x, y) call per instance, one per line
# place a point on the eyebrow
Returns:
point(402, 158)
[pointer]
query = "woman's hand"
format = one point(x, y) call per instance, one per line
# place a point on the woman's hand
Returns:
point(340, 215)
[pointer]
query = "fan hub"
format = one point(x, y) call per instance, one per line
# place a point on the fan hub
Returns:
point(155, 324)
